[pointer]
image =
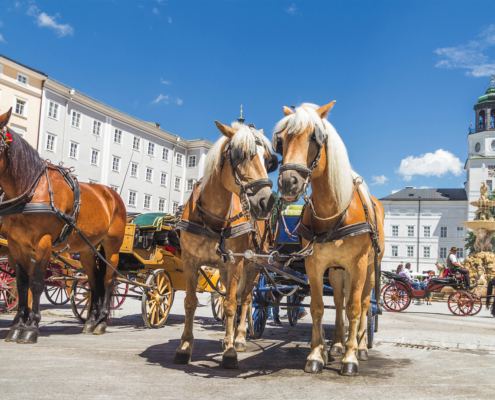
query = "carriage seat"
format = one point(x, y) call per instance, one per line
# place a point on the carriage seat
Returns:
point(443, 281)
point(395, 277)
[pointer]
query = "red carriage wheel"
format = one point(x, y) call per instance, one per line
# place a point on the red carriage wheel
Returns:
point(118, 295)
point(477, 305)
point(8, 288)
point(461, 303)
point(395, 297)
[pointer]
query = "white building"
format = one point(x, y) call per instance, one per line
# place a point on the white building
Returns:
point(153, 170)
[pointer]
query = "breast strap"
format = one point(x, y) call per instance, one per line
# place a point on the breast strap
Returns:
point(339, 234)
point(228, 233)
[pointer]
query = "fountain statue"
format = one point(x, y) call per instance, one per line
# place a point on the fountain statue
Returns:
point(481, 263)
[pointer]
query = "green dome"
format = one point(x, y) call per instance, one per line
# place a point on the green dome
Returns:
point(488, 97)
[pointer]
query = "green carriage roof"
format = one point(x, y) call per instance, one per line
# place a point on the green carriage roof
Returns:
point(154, 220)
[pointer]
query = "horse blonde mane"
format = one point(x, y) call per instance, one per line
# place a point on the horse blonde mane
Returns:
point(340, 173)
point(244, 138)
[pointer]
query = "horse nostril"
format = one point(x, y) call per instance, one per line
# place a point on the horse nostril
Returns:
point(263, 204)
point(293, 180)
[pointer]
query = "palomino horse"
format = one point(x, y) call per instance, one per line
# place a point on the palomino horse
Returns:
point(101, 218)
point(313, 153)
point(235, 184)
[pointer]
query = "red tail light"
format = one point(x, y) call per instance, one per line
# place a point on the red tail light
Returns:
point(171, 249)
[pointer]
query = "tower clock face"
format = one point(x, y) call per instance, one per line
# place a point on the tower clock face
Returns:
point(477, 147)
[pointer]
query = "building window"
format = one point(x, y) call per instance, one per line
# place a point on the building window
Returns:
point(92, 181)
point(178, 160)
point(443, 253)
point(426, 231)
point(489, 183)
point(74, 147)
point(460, 252)
point(134, 170)
point(149, 174)
point(477, 147)
point(116, 188)
point(460, 232)
point(53, 110)
point(191, 161)
point(96, 128)
point(190, 183)
point(395, 230)
point(443, 231)
point(20, 107)
point(147, 201)
point(136, 143)
point(151, 149)
point(21, 131)
point(161, 205)
point(22, 79)
point(165, 155)
point(163, 179)
point(95, 155)
point(76, 119)
point(132, 198)
point(395, 251)
point(117, 136)
point(426, 252)
point(175, 207)
point(177, 183)
point(410, 231)
point(116, 164)
point(50, 142)
point(410, 251)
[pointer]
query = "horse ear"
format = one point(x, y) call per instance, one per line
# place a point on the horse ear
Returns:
point(225, 130)
point(4, 119)
point(288, 111)
point(261, 131)
point(323, 111)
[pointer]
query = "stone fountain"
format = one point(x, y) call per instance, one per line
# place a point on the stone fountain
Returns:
point(481, 263)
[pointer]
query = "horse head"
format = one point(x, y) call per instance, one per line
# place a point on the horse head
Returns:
point(300, 139)
point(246, 162)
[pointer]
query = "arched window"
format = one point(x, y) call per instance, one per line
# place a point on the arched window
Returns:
point(481, 120)
point(492, 119)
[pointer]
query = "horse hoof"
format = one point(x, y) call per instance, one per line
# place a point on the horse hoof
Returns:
point(348, 369)
point(182, 358)
point(14, 335)
point(229, 359)
point(88, 327)
point(240, 347)
point(362, 355)
point(336, 351)
point(100, 329)
point(28, 337)
point(313, 367)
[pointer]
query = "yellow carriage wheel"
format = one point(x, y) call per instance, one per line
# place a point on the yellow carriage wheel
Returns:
point(80, 299)
point(217, 303)
point(158, 299)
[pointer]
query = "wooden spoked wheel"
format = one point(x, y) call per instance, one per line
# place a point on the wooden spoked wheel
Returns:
point(395, 297)
point(477, 305)
point(217, 303)
point(461, 303)
point(80, 299)
point(57, 295)
point(8, 288)
point(158, 299)
point(258, 310)
point(294, 309)
point(118, 295)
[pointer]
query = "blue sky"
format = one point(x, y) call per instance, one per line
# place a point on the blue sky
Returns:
point(405, 74)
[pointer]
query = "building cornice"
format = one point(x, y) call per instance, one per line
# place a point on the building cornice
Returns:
point(22, 68)
point(20, 88)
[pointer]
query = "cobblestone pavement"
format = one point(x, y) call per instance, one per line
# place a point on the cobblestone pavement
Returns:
point(424, 352)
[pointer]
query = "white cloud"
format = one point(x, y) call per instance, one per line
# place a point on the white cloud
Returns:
point(395, 191)
point(17, 4)
point(438, 164)
point(470, 56)
point(292, 10)
point(379, 180)
point(2, 40)
point(169, 20)
point(160, 98)
point(165, 82)
point(155, 11)
point(179, 101)
point(44, 20)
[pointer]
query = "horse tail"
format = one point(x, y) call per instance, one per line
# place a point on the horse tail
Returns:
point(489, 292)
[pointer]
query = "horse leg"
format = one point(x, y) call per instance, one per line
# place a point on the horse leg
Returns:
point(184, 351)
point(362, 352)
point(88, 261)
point(318, 357)
point(229, 356)
point(353, 311)
point(19, 323)
point(37, 284)
point(250, 277)
point(336, 278)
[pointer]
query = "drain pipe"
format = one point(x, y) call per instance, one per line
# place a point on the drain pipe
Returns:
point(71, 93)
point(419, 227)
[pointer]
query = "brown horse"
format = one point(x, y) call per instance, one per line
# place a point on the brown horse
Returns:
point(238, 160)
point(303, 136)
point(102, 218)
